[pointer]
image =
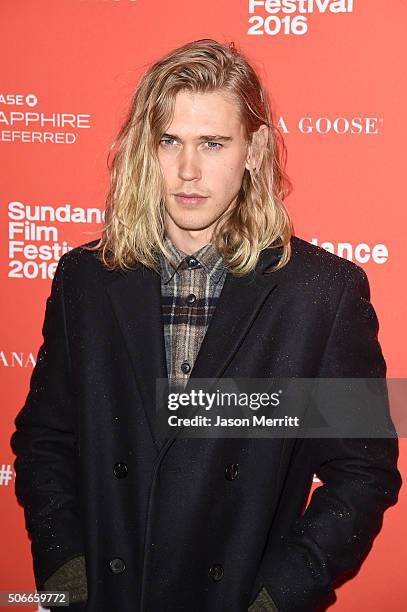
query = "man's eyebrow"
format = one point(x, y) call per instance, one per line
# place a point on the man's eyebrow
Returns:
point(202, 138)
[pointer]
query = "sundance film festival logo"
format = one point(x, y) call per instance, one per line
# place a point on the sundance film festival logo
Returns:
point(360, 253)
point(22, 121)
point(34, 243)
point(289, 17)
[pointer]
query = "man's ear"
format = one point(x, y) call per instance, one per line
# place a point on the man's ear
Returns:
point(257, 147)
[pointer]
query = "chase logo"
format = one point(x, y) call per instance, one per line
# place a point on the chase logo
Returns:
point(31, 100)
point(18, 99)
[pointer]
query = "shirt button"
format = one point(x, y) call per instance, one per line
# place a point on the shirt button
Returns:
point(190, 299)
point(216, 572)
point(192, 262)
point(185, 367)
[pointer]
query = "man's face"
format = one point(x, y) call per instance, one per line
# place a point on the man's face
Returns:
point(203, 152)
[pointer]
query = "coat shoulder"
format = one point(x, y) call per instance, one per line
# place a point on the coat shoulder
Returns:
point(80, 253)
point(314, 262)
point(81, 261)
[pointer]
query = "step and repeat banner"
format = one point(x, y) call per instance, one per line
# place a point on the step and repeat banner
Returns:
point(335, 75)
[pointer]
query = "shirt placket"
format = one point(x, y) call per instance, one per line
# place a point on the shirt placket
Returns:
point(191, 334)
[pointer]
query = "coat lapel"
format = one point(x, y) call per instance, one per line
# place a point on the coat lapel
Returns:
point(136, 300)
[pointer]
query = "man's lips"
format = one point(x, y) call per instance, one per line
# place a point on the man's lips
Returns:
point(190, 198)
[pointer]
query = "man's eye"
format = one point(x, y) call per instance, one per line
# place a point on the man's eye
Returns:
point(218, 145)
point(166, 140)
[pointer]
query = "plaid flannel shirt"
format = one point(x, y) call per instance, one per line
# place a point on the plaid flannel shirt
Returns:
point(190, 289)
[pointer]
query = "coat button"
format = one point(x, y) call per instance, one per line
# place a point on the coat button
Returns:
point(117, 565)
point(120, 469)
point(216, 572)
point(231, 471)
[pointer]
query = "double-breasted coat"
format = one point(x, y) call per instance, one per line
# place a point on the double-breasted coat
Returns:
point(198, 524)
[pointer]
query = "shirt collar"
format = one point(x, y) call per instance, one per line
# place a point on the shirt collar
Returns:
point(207, 256)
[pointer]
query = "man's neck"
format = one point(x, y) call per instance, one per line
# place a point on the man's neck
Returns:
point(188, 242)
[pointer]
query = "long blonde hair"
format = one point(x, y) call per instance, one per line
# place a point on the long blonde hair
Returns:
point(134, 230)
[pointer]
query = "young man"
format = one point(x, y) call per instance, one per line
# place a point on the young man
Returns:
point(197, 275)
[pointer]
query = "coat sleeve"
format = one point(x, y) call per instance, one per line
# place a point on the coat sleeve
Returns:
point(360, 476)
point(44, 442)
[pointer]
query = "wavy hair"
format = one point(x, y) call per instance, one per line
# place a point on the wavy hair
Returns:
point(134, 230)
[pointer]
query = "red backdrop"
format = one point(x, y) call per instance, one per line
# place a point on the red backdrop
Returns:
point(334, 71)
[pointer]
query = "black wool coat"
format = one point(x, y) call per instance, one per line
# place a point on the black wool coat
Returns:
point(162, 527)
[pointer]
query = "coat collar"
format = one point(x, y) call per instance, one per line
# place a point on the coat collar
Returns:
point(136, 300)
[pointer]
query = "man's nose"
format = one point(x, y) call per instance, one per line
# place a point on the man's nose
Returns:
point(189, 166)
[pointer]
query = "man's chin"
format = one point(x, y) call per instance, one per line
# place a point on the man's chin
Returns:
point(192, 222)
